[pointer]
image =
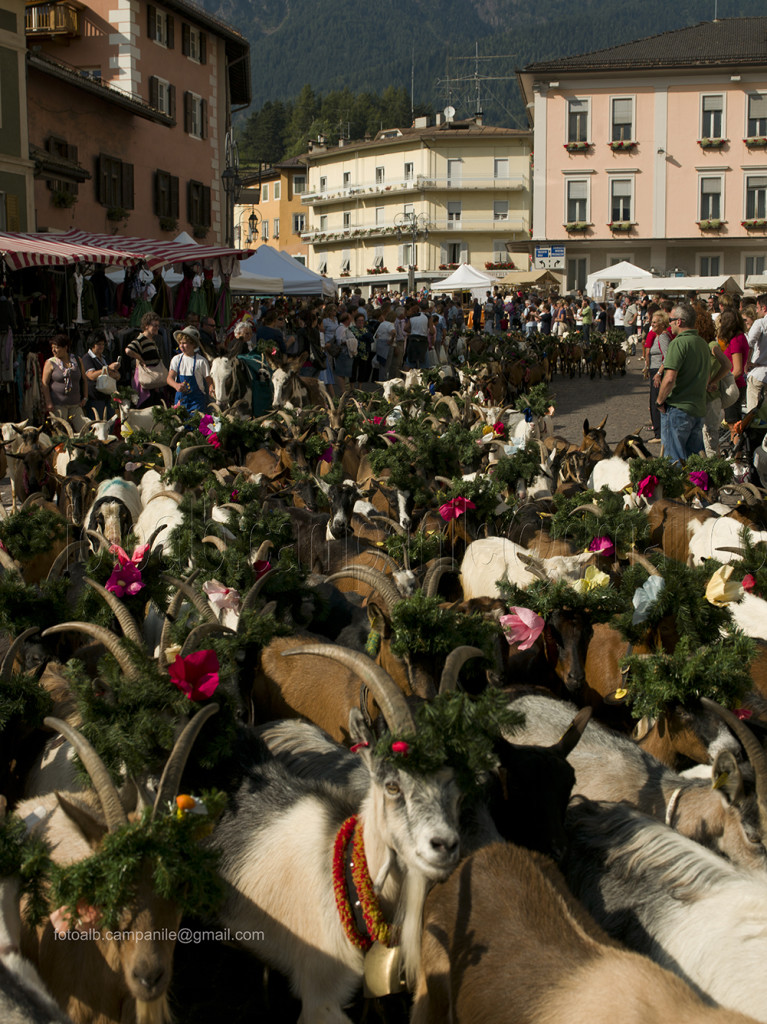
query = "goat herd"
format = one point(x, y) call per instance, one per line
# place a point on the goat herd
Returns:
point(393, 704)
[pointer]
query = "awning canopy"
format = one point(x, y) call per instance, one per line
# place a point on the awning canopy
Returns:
point(155, 253)
point(20, 250)
point(466, 278)
point(615, 274)
point(532, 278)
point(296, 278)
point(682, 285)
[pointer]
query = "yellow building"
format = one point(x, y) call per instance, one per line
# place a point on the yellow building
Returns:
point(275, 215)
point(430, 196)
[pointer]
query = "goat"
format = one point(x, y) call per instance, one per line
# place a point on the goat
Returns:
point(277, 840)
point(667, 897)
point(116, 508)
point(115, 979)
point(594, 442)
point(610, 766)
point(504, 942)
point(492, 558)
point(27, 450)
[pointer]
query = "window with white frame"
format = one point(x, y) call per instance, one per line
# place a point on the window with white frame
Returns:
point(322, 266)
point(576, 273)
point(453, 215)
point(264, 230)
point(195, 115)
point(500, 253)
point(709, 266)
point(409, 169)
point(347, 219)
point(621, 194)
point(380, 176)
point(195, 48)
point(577, 200)
point(265, 192)
point(756, 196)
point(346, 261)
point(456, 252)
point(159, 25)
point(277, 190)
point(757, 114)
point(299, 184)
point(276, 230)
point(323, 183)
point(378, 258)
point(162, 96)
point(347, 178)
point(324, 222)
point(408, 209)
point(407, 254)
point(710, 198)
point(500, 168)
point(712, 117)
point(755, 265)
point(578, 120)
point(299, 223)
point(454, 169)
point(500, 209)
point(380, 215)
point(622, 119)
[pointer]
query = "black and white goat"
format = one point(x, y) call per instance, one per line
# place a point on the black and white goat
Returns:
point(277, 844)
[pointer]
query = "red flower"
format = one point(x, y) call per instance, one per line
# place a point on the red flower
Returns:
point(261, 568)
point(743, 714)
point(196, 675)
point(748, 582)
point(646, 487)
point(400, 747)
point(602, 546)
point(455, 507)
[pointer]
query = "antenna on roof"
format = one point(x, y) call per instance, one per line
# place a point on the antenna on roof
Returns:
point(412, 83)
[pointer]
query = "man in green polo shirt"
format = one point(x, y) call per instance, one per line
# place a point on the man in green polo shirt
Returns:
point(682, 395)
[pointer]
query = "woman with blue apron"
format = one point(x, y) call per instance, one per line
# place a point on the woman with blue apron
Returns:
point(195, 387)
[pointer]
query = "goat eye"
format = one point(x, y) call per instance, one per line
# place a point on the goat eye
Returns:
point(392, 789)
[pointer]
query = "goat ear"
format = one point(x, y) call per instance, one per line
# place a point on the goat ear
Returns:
point(360, 735)
point(585, 426)
point(91, 829)
point(726, 777)
point(378, 620)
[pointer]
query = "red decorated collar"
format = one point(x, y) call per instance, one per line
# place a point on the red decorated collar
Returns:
point(350, 866)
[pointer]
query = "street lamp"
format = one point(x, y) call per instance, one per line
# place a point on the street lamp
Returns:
point(253, 221)
point(230, 179)
point(409, 222)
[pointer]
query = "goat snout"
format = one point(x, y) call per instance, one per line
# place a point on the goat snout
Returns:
point(446, 845)
point(149, 976)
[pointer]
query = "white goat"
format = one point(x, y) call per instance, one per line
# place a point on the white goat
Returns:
point(613, 473)
point(115, 509)
point(494, 558)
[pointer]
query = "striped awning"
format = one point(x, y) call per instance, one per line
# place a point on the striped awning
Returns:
point(20, 250)
point(156, 253)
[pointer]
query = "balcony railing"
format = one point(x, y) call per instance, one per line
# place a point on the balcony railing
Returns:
point(513, 183)
point(362, 231)
point(52, 20)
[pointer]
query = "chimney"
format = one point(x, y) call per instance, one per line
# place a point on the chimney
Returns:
point(478, 119)
point(438, 119)
point(421, 122)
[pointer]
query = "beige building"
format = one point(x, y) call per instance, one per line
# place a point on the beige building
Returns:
point(431, 196)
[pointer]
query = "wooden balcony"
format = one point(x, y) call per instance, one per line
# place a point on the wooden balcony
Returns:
point(59, 20)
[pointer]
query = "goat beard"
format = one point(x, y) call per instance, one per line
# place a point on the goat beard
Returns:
point(155, 1011)
point(408, 921)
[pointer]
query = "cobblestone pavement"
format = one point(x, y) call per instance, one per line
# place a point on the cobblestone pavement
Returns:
point(624, 400)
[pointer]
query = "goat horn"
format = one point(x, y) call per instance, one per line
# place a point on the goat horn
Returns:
point(114, 812)
point(377, 580)
point(636, 559)
point(734, 551)
point(249, 600)
point(106, 637)
point(434, 574)
point(7, 563)
point(451, 403)
point(63, 423)
point(184, 454)
point(754, 752)
point(443, 480)
point(388, 696)
point(199, 633)
point(381, 519)
point(196, 598)
point(574, 732)
point(173, 495)
point(64, 557)
point(170, 618)
point(99, 538)
point(127, 623)
point(534, 566)
point(407, 441)
point(10, 655)
point(594, 509)
point(174, 766)
point(239, 509)
point(453, 665)
point(219, 544)
point(263, 550)
point(164, 449)
point(33, 499)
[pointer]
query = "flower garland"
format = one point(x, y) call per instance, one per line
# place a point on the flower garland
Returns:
point(378, 929)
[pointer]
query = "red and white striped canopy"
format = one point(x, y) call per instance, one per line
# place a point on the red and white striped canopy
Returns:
point(29, 250)
point(153, 252)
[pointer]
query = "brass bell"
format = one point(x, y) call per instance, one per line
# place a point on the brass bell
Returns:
point(382, 971)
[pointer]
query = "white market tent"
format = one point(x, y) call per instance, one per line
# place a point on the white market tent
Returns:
point(682, 285)
point(465, 279)
point(756, 283)
point(296, 279)
point(616, 274)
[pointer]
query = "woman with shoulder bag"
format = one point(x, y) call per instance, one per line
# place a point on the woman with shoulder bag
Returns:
point(151, 375)
point(656, 346)
point(731, 334)
point(63, 383)
point(346, 342)
point(102, 377)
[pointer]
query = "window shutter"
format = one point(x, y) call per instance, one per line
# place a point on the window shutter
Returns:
point(206, 206)
point(577, 190)
point(156, 204)
point(172, 101)
point(173, 196)
point(171, 20)
point(443, 253)
point(189, 203)
point(186, 46)
point(187, 112)
point(101, 179)
point(757, 104)
point(713, 103)
point(151, 21)
point(464, 252)
point(12, 215)
point(621, 111)
point(127, 186)
point(203, 47)
point(203, 119)
point(154, 97)
point(400, 255)
point(757, 182)
point(710, 186)
point(582, 106)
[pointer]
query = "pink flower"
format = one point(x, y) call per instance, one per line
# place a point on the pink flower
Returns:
point(196, 675)
point(220, 596)
point(126, 576)
point(234, 495)
point(454, 508)
point(499, 428)
point(261, 568)
point(400, 747)
point(699, 479)
point(748, 582)
point(377, 421)
point(743, 714)
point(205, 424)
point(602, 546)
point(213, 440)
point(522, 627)
point(646, 487)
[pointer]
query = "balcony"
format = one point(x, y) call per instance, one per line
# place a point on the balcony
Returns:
point(62, 20)
point(419, 183)
point(364, 231)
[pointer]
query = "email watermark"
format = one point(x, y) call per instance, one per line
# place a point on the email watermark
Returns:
point(186, 936)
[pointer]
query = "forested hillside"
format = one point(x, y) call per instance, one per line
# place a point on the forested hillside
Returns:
point(336, 45)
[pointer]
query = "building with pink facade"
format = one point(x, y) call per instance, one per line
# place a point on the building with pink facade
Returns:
point(655, 152)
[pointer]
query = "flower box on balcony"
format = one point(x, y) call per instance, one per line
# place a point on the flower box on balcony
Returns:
point(577, 147)
point(620, 225)
point(448, 266)
point(711, 143)
point(756, 141)
point(577, 225)
point(618, 144)
point(754, 223)
point(712, 224)
point(506, 265)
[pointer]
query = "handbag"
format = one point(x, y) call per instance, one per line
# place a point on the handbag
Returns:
point(334, 349)
point(105, 384)
point(728, 391)
point(151, 377)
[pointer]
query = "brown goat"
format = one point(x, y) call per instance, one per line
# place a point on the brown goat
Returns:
point(504, 942)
